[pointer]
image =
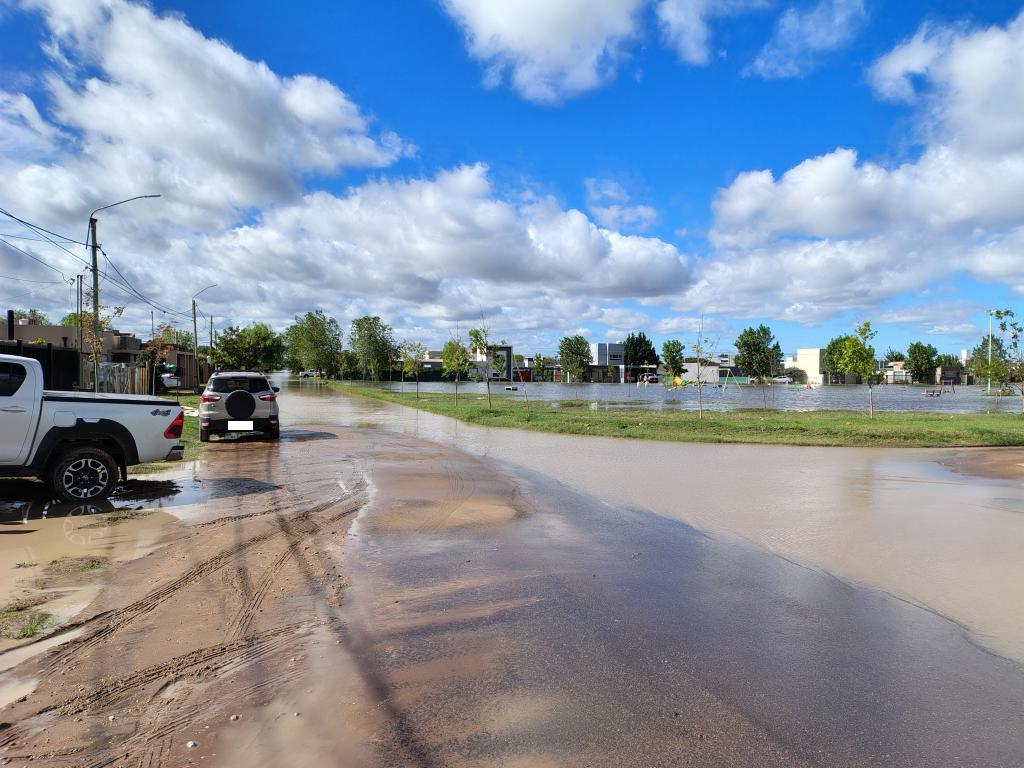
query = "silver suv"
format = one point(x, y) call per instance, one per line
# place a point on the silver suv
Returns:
point(238, 402)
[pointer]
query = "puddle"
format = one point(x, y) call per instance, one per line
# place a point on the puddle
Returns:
point(12, 690)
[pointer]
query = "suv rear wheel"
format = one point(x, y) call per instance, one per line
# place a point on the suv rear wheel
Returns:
point(82, 473)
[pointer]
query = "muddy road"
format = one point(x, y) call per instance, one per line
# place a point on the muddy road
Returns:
point(357, 596)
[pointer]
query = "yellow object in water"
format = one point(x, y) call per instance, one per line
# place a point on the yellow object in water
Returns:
point(678, 381)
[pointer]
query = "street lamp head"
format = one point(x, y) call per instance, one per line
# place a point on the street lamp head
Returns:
point(121, 202)
point(205, 289)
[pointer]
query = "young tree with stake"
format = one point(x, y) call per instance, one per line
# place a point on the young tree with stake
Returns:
point(455, 362)
point(412, 362)
point(857, 358)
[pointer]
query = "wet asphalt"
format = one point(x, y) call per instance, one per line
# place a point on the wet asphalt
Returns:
point(632, 640)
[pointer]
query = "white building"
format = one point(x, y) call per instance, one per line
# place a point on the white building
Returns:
point(811, 362)
point(709, 374)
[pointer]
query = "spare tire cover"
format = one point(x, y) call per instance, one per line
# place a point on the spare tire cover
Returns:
point(240, 404)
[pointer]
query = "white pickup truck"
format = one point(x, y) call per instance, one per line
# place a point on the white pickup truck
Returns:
point(79, 443)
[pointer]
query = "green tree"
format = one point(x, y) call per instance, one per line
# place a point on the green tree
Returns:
point(948, 361)
point(921, 362)
point(857, 358)
point(638, 350)
point(758, 354)
point(830, 357)
point(313, 343)
point(34, 316)
point(412, 361)
point(978, 362)
point(672, 357)
point(575, 354)
point(455, 362)
point(894, 356)
point(348, 364)
point(372, 341)
point(1008, 324)
point(253, 348)
point(480, 342)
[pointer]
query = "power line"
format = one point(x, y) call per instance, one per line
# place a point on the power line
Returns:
point(40, 282)
point(34, 258)
point(41, 229)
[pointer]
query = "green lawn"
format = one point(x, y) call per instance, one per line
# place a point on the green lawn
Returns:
point(827, 428)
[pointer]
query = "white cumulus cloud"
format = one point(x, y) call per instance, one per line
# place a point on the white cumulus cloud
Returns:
point(802, 36)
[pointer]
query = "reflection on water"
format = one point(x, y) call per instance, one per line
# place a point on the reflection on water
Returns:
point(784, 397)
point(891, 518)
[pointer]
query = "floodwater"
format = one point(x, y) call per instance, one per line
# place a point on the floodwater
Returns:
point(732, 397)
point(580, 633)
point(893, 519)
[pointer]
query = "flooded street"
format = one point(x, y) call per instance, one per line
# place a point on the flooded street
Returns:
point(389, 588)
point(896, 519)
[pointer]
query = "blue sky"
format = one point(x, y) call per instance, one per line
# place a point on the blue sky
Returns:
point(497, 177)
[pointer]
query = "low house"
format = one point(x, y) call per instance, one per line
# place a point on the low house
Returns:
point(895, 372)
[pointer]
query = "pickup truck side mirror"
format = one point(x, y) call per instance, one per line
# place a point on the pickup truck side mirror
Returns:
point(276, 389)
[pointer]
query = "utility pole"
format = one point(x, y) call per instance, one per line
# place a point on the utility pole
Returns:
point(211, 340)
point(80, 307)
point(97, 342)
point(195, 331)
point(195, 341)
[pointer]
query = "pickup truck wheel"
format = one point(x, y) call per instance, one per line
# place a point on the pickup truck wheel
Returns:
point(83, 473)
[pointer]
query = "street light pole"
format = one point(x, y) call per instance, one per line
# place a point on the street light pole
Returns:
point(97, 343)
point(990, 350)
point(97, 340)
point(195, 334)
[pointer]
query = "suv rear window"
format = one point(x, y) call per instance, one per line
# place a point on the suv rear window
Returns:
point(12, 375)
point(246, 383)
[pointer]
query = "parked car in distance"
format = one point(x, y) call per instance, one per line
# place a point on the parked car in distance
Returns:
point(783, 380)
point(170, 380)
point(308, 374)
point(238, 402)
point(80, 443)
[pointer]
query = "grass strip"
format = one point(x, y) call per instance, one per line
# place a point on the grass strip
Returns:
point(813, 428)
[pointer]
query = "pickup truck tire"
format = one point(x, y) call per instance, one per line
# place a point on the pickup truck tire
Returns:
point(79, 474)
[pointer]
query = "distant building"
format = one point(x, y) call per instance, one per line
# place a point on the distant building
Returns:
point(708, 374)
point(117, 347)
point(607, 362)
point(811, 362)
point(894, 372)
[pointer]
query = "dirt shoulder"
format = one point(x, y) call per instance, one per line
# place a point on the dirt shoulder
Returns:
point(211, 625)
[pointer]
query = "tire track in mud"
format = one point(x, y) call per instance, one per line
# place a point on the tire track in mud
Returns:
point(214, 659)
point(118, 619)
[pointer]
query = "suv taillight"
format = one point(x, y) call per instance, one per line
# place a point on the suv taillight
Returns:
point(269, 398)
point(173, 431)
point(209, 398)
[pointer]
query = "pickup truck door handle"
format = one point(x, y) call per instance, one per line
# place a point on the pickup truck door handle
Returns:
point(13, 409)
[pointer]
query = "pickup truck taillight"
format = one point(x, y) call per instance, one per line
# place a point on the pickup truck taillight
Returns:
point(268, 398)
point(173, 431)
point(209, 398)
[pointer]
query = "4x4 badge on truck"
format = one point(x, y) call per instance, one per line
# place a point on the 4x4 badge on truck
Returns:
point(158, 412)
